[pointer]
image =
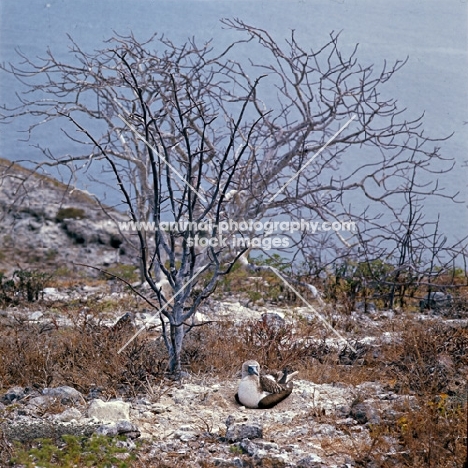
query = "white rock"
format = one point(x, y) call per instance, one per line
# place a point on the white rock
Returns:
point(40, 402)
point(68, 415)
point(324, 429)
point(185, 434)
point(109, 411)
point(36, 315)
point(65, 394)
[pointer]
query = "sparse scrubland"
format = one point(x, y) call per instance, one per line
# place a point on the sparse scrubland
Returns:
point(73, 342)
point(382, 385)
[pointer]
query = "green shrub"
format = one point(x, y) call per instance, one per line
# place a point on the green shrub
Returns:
point(72, 451)
point(69, 213)
point(24, 284)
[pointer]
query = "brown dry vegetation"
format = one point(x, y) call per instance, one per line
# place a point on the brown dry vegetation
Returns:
point(427, 359)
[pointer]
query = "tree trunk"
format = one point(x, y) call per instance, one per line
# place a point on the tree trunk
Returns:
point(175, 348)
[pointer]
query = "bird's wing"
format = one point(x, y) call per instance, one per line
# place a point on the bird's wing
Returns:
point(268, 384)
point(277, 375)
point(282, 377)
point(274, 398)
point(287, 376)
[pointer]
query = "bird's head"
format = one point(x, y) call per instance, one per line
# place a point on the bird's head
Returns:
point(253, 370)
point(250, 368)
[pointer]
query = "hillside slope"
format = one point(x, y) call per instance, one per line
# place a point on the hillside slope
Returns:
point(43, 221)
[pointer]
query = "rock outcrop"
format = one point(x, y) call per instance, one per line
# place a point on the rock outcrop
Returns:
point(44, 221)
point(199, 417)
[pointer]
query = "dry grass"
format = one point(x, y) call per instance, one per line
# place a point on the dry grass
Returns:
point(427, 359)
point(83, 356)
point(432, 435)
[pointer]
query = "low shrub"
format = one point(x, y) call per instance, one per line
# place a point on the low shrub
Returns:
point(23, 285)
point(69, 213)
point(84, 356)
point(72, 451)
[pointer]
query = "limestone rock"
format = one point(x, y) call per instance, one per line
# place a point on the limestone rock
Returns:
point(250, 430)
point(65, 394)
point(40, 402)
point(127, 444)
point(36, 315)
point(68, 415)
point(236, 418)
point(324, 429)
point(185, 434)
point(61, 225)
point(252, 449)
point(119, 428)
point(158, 408)
point(109, 411)
point(26, 429)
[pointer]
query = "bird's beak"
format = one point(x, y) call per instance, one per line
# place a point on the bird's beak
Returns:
point(253, 370)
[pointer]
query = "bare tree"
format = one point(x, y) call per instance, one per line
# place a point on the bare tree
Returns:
point(191, 135)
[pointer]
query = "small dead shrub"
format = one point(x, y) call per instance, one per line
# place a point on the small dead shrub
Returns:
point(430, 434)
point(223, 346)
point(83, 356)
point(427, 358)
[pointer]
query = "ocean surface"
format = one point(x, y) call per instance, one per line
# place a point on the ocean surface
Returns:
point(431, 33)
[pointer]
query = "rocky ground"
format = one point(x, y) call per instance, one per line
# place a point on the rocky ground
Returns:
point(44, 222)
point(197, 421)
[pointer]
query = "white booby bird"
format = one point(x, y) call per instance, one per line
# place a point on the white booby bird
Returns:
point(257, 390)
